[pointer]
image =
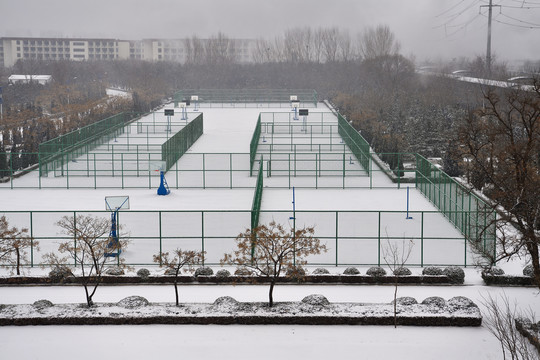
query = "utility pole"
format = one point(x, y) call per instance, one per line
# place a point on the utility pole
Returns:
point(488, 52)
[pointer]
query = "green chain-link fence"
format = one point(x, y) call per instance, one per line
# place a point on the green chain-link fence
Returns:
point(178, 144)
point(472, 216)
point(215, 97)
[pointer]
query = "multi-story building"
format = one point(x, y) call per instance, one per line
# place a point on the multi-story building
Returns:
point(15, 48)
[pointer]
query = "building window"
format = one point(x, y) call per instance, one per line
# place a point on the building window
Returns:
point(78, 43)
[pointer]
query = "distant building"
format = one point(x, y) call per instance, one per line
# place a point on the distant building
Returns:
point(26, 79)
point(179, 50)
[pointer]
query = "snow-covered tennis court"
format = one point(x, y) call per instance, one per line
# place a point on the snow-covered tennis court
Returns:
point(212, 203)
point(350, 216)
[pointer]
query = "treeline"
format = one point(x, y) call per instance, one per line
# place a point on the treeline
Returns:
point(396, 109)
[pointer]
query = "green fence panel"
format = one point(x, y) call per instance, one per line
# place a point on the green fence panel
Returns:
point(472, 216)
point(254, 144)
point(70, 145)
point(356, 142)
point(257, 198)
point(177, 145)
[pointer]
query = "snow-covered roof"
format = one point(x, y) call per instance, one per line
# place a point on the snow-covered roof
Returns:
point(42, 79)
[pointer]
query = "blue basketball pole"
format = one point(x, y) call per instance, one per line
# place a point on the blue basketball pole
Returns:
point(408, 217)
point(113, 237)
point(163, 186)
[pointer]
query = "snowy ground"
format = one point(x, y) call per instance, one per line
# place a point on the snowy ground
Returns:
point(229, 131)
point(242, 342)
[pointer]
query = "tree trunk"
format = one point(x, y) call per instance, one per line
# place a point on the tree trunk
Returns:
point(395, 303)
point(18, 261)
point(176, 289)
point(270, 293)
point(89, 301)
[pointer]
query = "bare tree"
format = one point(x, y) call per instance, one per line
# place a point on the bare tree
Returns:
point(377, 42)
point(502, 141)
point(91, 249)
point(14, 243)
point(500, 319)
point(271, 250)
point(395, 258)
point(330, 38)
point(180, 259)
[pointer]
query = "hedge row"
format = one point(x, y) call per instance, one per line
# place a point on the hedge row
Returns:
point(250, 320)
point(166, 279)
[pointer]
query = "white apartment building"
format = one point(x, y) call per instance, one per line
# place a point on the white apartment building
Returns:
point(15, 48)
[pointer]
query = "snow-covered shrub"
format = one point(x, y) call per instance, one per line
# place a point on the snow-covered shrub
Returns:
point(434, 301)
point(402, 271)
point(170, 272)
point(316, 300)
point(351, 271)
point(455, 274)
point(115, 271)
point(405, 300)
point(133, 302)
point(225, 303)
point(376, 271)
point(143, 273)
point(223, 273)
point(204, 271)
point(243, 272)
point(42, 304)
point(320, 271)
point(296, 273)
point(432, 270)
point(460, 302)
point(493, 271)
point(60, 273)
point(528, 270)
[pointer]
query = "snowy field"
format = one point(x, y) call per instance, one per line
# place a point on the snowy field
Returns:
point(242, 342)
point(350, 221)
point(354, 223)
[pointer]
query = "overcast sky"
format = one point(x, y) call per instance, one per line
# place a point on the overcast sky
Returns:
point(429, 29)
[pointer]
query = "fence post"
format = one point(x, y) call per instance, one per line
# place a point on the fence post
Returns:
point(337, 232)
point(379, 241)
point(422, 241)
point(160, 240)
point(31, 239)
point(202, 235)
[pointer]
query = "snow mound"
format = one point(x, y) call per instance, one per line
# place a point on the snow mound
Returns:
point(351, 271)
point(455, 274)
point(316, 300)
point(376, 271)
point(42, 304)
point(402, 271)
point(133, 302)
point(460, 302)
point(320, 271)
point(143, 273)
point(60, 273)
point(434, 301)
point(405, 301)
point(226, 304)
point(204, 271)
point(223, 273)
point(432, 270)
point(115, 271)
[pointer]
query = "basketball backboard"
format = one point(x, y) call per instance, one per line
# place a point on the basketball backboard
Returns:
point(115, 203)
point(157, 165)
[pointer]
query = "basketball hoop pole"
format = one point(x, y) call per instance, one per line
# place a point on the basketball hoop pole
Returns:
point(163, 186)
point(113, 234)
